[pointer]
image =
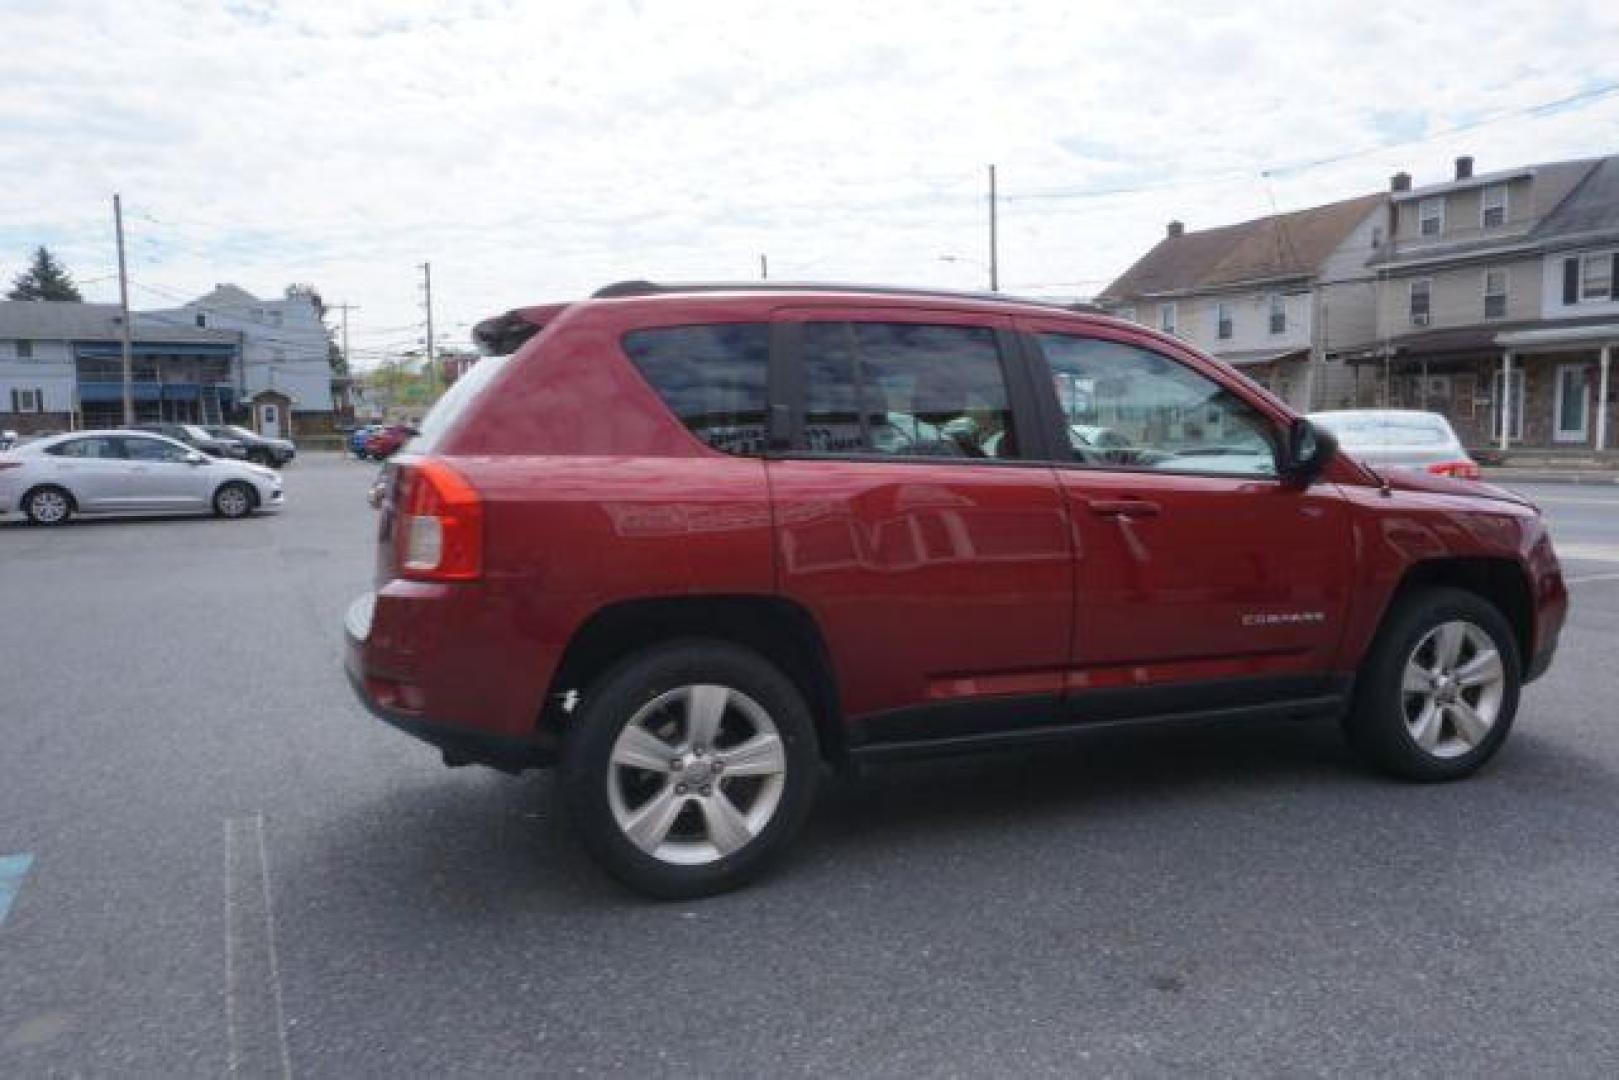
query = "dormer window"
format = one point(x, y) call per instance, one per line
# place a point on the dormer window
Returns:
point(1431, 216)
point(1493, 206)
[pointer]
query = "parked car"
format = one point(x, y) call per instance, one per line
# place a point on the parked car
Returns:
point(276, 453)
point(8, 439)
point(385, 442)
point(110, 472)
point(357, 439)
point(198, 438)
point(1400, 439)
point(618, 549)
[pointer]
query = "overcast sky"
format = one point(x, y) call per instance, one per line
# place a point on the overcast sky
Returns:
point(535, 151)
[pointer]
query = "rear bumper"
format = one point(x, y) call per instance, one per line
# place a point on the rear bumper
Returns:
point(402, 704)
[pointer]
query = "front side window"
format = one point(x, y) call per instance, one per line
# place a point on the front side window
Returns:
point(1431, 216)
point(1493, 206)
point(1596, 278)
point(1222, 320)
point(1278, 314)
point(712, 377)
point(153, 450)
point(905, 389)
point(1495, 294)
point(1128, 407)
point(1421, 293)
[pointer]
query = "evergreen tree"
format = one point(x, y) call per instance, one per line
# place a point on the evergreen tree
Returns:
point(45, 279)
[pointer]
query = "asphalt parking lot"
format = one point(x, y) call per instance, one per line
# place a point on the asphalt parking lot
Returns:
point(233, 869)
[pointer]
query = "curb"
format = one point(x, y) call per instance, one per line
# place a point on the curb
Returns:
point(1595, 477)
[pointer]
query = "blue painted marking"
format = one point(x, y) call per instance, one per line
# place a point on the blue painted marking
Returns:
point(13, 868)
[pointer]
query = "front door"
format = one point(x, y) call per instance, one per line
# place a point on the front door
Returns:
point(1202, 581)
point(1572, 404)
point(270, 420)
point(934, 556)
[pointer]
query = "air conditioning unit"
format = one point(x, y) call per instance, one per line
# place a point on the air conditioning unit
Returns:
point(1420, 319)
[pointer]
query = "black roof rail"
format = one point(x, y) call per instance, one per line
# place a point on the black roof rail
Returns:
point(653, 288)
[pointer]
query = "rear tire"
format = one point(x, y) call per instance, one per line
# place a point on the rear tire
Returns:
point(233, 500)
point(689, 767)
point(48, 505)
point(1439, 692)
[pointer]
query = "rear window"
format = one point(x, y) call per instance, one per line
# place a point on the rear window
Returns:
point(1385, 430)
point(712, 377)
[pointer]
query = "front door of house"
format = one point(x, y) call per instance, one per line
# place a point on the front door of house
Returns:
point(1572, 403)
point(270, 420)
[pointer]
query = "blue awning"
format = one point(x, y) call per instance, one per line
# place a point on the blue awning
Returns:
point(103, 350)
point(98, 392)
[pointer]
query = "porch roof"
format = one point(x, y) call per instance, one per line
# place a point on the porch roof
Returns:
point(1489, 339)
point(1240, 357)
point(1560, 337)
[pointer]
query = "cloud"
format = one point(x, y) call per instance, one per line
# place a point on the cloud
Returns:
point(536, 151)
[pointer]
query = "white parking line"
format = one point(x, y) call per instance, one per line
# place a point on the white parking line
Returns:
point(255, 1025)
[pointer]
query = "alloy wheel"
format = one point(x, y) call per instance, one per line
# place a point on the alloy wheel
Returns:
point(1452, 689)
point(233, 502)
point(48, 507)
point(696, 774)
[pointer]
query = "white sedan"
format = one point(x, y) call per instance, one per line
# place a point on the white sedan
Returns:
point(122, 472)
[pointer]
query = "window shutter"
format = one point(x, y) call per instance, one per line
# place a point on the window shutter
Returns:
point(1613, 278)
point(1571, 281)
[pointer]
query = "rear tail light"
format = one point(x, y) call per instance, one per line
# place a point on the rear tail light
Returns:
point(438, 535)
point(1461, 470)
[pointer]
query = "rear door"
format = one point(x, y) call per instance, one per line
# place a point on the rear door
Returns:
point(92, 469)
point(931, 549)
point(1203, 580)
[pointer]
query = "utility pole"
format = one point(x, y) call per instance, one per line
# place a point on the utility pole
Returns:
point(994, 243)
point(432, 350)
point(123, 307)
point(345, 308)
point(764, 268)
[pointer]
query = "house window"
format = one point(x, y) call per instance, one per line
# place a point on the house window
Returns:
point(1377, 236)
point(1493, 206)
point(1421, 292)
point(1431, 216)
point(31, 401)
point(1222, 321)
point(25, 350)
point(1127, 313)
point(1278, 314)
point(1596, 277)
point(1495, 294)
point(202, 320)
point(1166, 318)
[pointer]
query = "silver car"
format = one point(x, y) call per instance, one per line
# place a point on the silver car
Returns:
point(113, 472)
point(1400, 439)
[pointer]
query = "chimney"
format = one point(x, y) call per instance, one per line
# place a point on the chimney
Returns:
point(1176, 230)
point(1400, 181)
point(1464, 167)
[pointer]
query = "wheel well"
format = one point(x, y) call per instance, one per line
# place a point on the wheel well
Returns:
point(1500, 581)
point(779, 630)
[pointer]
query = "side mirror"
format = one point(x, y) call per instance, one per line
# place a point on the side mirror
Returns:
point(196, 457)
point(1307, 451)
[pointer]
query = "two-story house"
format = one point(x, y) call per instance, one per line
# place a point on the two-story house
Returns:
point(61, 367)
point(1279, 297)
point(1497, 302)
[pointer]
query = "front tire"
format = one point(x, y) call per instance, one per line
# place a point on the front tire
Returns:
point(1439, 693)
point(48, 506)
point(689, 767)
point(233, 500)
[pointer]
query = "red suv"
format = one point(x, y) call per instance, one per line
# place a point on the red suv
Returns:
point(693, 543)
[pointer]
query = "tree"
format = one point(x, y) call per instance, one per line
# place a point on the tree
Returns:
point(45, 279)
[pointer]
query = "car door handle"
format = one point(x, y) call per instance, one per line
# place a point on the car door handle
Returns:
point(1123, 507)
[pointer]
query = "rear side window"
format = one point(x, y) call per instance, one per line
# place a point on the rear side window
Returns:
point(711, 377)
point(85, 448)
point(905, 389)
